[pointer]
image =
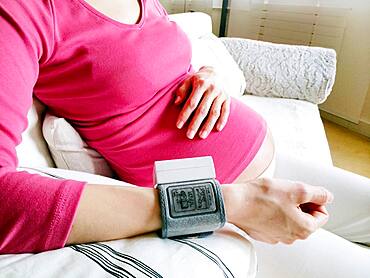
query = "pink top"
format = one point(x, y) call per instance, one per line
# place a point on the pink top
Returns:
point(115, 83)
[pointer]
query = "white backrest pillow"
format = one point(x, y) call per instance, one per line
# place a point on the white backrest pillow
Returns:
point(68, 149)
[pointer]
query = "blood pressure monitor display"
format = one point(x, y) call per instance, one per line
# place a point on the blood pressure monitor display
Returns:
point(191, 200)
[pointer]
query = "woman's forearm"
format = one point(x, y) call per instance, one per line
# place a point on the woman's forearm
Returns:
point(269, 210)
point(113, 212)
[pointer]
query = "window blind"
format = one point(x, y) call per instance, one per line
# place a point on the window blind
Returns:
point(305, 22)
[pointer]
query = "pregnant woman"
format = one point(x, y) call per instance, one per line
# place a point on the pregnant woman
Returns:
point(120, 72)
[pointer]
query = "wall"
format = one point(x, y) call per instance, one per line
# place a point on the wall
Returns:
point(365, 116)
point(353, 75)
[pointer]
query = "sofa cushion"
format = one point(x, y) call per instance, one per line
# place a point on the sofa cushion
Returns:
point(33, 150)
point(194, 24)
point(296, 127)
point(208, 50)
point(69, 151)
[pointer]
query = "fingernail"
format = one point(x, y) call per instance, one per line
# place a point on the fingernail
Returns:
point(203, 134)
point(322, 218)
point(177, 99)
point(330, 198)
point(220, 127)
point(180, 124)
point(190, 134)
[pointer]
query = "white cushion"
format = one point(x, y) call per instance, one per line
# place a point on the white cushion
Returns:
point(296, 127)
point(33, 150)
point(194, 24)
point(226, 253)
point(208, 50)
point(69, 151)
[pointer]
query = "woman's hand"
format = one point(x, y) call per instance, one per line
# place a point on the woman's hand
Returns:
point(273, 210)
point(205, 97)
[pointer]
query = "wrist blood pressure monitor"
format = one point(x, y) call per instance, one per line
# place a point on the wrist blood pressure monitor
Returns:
point(190, 197)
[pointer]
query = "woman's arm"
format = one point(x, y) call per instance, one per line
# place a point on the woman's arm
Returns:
point(36, 212)
point(268, 210)
point(113, 212)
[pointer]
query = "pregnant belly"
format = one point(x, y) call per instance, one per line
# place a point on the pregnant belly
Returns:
point(132, 150)
point(262, 164)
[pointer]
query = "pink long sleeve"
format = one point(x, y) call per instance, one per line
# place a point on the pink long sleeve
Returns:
point(36, 213)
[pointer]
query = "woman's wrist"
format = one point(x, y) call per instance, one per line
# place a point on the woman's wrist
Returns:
point(238, 197)
point(230, 202)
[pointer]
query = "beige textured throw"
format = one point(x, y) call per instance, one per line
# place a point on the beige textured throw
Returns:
point(288, 71)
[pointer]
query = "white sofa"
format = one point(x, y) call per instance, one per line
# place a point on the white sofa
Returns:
point(297, 129)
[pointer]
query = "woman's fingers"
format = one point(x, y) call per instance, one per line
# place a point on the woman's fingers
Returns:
point(320, 196)
point(311, 210)
point(199, 87)
point(183, 91)
point(305, 193)
point(213, 116)
point(309, 220)
point(202, 112)
point(225, 111)
point(319, 213)
point(311, 207)
point(200, 92)
point(321, 218)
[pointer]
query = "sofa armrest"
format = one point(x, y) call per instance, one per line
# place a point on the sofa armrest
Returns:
point(194, 24)
point(288, 71)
